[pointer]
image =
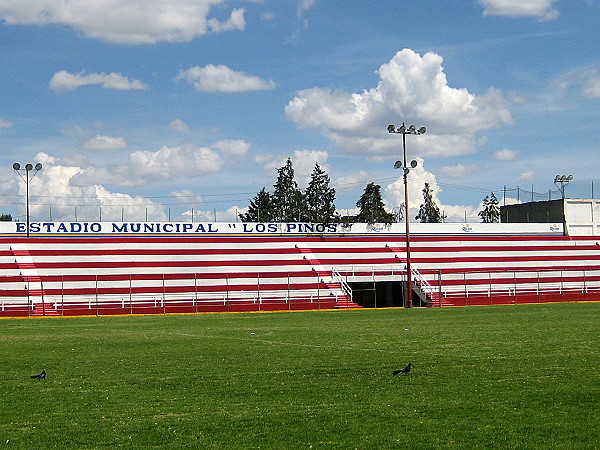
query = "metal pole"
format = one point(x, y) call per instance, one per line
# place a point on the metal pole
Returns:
point(407, 221)
point(27, 197)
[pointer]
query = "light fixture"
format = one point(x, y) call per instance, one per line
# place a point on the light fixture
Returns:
point(27, 178)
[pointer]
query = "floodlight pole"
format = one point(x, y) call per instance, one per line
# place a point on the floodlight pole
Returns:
point(404, 131)
point(28, 168)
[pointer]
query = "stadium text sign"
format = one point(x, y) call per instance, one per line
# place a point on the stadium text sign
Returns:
point(216, 228)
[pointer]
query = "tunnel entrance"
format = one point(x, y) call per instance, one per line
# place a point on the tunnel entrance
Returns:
point(384, 294)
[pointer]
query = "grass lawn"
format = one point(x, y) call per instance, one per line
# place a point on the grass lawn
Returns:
point(524, 376)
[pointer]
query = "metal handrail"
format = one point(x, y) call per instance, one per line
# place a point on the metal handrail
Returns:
point(344, 285)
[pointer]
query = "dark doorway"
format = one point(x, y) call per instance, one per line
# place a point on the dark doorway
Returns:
point(380, 294)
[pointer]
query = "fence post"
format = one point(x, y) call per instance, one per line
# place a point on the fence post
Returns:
point(43, 300)
point(490, 287)
point(258, 287)
point(164, 294)
point(227, 290)
point(130, 296)
point(515, 281)
point(195, 292)
point(30, 304)
point(561, 286)
point(466, 289)
point(539, 289)
point(97, 312)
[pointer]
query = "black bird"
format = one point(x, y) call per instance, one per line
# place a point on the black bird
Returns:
point(404, 371)
point(41, 376)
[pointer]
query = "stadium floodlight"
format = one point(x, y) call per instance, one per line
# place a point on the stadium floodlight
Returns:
point(27, 178)
point(561, 182)
point(406, 169)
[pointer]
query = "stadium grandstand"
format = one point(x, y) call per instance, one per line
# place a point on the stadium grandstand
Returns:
point(104, 268)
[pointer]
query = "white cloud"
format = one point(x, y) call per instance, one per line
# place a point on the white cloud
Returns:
point(235, 22)
point(125, 21)
point(586, 78)
point(179, 126)
point(267, 16)
point(591, 85)
point(413, 87)
point(100, 142)
point(304, 6)
point(353, 180)
point(182, 161)
point(229, 215)
point(232, 147)
point(394, 195)
point(64, 81)
point(69, 201)
point(222, 79)
point(505, 154)
point(459, 170)
point(527, 176)
point(541, 9)
point(5, 123)
point(144, 167)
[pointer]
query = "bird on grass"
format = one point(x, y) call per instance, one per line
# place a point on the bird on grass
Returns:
point(41, 376)
point(404, 371)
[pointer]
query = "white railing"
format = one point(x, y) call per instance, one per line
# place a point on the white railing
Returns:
point(340, 279)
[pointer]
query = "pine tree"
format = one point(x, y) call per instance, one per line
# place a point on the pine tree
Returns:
point(429, 211)
point(260, 209)
point(491, 211)
point(319, 198)
point(287, 199)
point(371, 206)
point(5, 218)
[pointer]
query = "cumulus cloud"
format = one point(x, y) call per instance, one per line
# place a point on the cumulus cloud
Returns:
point(144, 167)
point(233, 147)
point(182, 161)
point(100, 142)
point(64, 81)
point(505, 154)
point(126, 21)
point(459, 170)
point(179, 126)
point(542, 9)
point(352, 180)
point(411, 86)
point(222, 79)
point(394, 195)
point(5, 123)
point(527, 176)
point(70, 201)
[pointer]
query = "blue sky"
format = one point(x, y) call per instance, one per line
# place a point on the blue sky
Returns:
point(154, 108)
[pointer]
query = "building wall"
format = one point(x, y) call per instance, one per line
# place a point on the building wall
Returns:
point(580, 217)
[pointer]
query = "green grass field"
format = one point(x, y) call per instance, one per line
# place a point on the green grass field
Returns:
point(524, 376)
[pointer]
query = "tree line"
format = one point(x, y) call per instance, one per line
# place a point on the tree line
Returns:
point(316, 204)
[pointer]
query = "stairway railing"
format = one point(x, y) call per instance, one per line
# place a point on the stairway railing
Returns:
point(336, 276)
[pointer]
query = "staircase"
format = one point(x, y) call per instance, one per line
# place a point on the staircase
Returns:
point(426, 293)
point(331, 278)
point(32, 280)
